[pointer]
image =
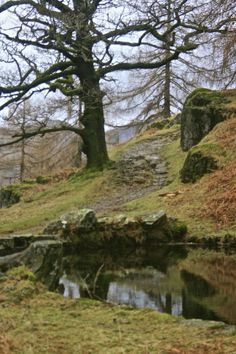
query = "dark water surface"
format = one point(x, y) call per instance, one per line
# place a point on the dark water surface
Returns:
point(194, 283)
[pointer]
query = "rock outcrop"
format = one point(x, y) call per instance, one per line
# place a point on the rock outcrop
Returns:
point(83, 229)
point(201, 112)
point(43, 256)
point(197, 165)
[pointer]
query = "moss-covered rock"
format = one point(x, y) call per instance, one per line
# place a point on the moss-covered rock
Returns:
point(83, 229)
point(8, 196)
point(202, 110)
point(197, 165)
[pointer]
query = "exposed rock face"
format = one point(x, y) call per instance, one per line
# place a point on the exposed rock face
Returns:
point(84, 229)
point(196, 165)
point(43, 256)
point(201, 112)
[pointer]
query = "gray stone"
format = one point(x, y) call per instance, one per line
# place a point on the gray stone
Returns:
point(195, 322)
point(44, 258)
point(80, 219)
point(16, 243)
point(153, 219)
point(75, 221)
point(201, 112)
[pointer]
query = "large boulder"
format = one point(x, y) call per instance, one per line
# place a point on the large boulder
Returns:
point(156, 227)
point(201, 112)
point(43, 257)
point(197, 165)
point(83, 220)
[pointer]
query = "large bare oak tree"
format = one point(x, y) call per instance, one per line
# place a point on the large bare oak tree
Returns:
point(72, 45)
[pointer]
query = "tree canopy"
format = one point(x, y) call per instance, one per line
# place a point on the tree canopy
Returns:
point(72, 46)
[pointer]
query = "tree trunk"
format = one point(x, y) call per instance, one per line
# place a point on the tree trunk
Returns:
point(166, 109)
point(22, 161)
point(94, 143)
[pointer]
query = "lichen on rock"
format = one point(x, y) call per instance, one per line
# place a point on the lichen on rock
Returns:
point(201, 112)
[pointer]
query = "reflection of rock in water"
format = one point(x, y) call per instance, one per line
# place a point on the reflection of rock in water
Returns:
point(71, 289)
point(123, 294)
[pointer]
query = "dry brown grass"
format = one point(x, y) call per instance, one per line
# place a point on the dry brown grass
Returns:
point(5, 345)
point(221, 197)
point(220, 203)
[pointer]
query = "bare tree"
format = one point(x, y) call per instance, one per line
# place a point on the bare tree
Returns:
point(211, 62)
point(71, 46)
point(42, 154)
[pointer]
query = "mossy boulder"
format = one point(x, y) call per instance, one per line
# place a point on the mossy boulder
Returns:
point(83, 229)
point(197, 165)
point(8, 196)
point(75, 222)
point(43, 257)
point(202, 110)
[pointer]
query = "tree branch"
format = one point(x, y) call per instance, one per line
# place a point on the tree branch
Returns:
point(42, 132)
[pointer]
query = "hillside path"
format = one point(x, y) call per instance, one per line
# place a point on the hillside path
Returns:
point(140, 170)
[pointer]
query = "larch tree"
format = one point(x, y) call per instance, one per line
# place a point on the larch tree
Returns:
point(72, 46)
point(211, 62)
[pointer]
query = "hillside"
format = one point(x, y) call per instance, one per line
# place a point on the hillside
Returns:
point(144, 177)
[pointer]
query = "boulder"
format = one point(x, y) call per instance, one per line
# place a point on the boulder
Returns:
point(83, 220)
point(44, 258)
point(196, 165)
point(201, 112)
point(156, 228)
point(120, 231)
point(16, 243)
point(8, 196)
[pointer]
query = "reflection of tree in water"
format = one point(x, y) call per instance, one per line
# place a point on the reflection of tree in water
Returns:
point(70, 289)
point(146, 288)
point(209, 278)
point(201, 285)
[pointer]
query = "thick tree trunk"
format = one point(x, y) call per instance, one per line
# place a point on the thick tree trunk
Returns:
point(94, 134)
point(93, 119)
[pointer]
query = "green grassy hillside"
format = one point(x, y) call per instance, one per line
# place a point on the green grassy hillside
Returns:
point(207, 206)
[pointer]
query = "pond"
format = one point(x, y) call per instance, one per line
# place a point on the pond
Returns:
point(193, 283)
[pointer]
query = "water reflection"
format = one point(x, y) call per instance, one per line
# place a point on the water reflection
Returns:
point(123, 294)
point(194, 284)
point(70, 289)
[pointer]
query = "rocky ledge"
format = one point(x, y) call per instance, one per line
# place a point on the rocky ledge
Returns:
point(83, 228)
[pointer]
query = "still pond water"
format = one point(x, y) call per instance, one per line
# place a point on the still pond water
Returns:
point(194, 283)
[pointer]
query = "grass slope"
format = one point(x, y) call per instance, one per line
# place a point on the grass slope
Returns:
point(207, 206)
